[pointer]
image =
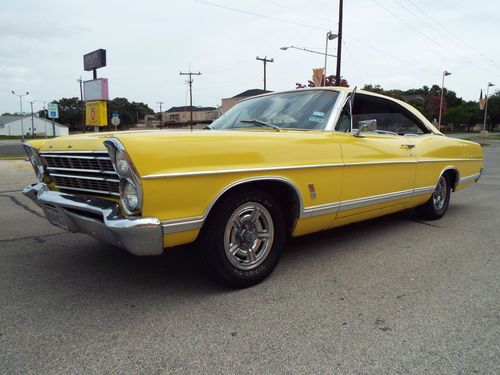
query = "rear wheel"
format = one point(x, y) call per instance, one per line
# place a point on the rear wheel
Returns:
point(243, 239)
point(438, 203)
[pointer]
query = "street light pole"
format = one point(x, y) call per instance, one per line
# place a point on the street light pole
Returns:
point(445, 73)
point(329, 36)
point(21, 106)
point(486, 108)
point(32, 120)
point(339, 42)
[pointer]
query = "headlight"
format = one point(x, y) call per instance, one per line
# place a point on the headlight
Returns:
point(122, 166)
point(129, 195)
point(130, 183)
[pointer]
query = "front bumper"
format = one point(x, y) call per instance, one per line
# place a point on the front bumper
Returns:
point(98, 218)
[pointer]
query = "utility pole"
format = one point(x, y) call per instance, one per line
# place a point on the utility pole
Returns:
point(445, 74)
point(32, 120)
point(21, 105)
point(190, 93)
point(161, 117)
point(265, 60)
point(83, 103)
point(339, 42)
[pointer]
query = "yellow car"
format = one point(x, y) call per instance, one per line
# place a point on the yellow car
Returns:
point(277, 165)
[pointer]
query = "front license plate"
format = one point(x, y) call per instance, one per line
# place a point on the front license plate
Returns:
point(54, 217)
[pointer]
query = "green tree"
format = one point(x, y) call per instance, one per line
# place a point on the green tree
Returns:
point(128, 112)
point(493, 110)
point(70, 112)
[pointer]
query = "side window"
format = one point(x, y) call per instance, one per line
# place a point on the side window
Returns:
point(390, 117)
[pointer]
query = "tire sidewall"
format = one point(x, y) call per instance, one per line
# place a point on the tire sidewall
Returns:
point(215, 251)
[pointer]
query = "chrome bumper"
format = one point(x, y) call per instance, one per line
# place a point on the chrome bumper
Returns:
point(100, 219)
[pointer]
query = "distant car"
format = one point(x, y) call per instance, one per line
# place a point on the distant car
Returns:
point(279, 164)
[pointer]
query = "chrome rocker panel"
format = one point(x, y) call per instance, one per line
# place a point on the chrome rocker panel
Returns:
point(81, 214)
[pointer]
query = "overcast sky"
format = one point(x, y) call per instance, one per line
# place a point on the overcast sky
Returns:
point(395, 43)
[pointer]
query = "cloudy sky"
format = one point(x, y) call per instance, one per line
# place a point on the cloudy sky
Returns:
point(394, 43)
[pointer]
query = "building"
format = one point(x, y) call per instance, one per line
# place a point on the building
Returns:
point(228, 103)
point(180, 116)
point(11, 125)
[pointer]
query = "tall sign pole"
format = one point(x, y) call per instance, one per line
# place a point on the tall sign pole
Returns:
point(265, 60)
point(339, 43)
point(190, 74)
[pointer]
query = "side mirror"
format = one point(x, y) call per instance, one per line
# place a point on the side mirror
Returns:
point(365, 126)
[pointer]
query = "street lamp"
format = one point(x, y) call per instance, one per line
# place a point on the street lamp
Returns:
point(486, 108)
point(445, 73)
point(21, 105)
point(329, 36)
point(305, 49)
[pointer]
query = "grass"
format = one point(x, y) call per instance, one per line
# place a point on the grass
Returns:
point(12, 156)
point(19, 137)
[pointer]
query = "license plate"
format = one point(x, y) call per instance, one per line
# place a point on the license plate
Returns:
point(54, 217)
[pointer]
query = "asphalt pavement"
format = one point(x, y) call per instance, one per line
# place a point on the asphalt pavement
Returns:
point(393, 295)
point(11, 147)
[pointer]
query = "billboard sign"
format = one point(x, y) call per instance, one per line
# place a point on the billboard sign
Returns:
point(96, 89)
point(53, 110)
point(96, 113)
point(94, 60)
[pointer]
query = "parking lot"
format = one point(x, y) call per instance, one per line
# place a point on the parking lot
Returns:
point(391, 295)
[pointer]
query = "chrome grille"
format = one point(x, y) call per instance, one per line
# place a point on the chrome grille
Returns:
point(90, 172)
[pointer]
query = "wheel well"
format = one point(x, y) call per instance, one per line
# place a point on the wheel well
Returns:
point(286, 196)
point(452, 175)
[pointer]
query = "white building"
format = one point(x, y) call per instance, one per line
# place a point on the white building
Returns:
point(11, 125)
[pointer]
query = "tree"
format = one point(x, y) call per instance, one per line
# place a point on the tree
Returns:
point(330, 81)
point(128, 112)
point(70, 112)
point(494, 110)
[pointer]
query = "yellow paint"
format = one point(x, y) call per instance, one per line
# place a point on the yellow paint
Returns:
point(96, 113)
point(351, 168)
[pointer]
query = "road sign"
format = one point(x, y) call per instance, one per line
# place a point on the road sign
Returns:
point(53, 110)
point(96, 113)
point(115, 114)
point(115, 120)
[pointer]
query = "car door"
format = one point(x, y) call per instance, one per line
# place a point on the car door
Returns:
point(379, 162)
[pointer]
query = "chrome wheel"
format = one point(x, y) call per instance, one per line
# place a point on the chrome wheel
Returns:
point(248, 236)
point(439, 195)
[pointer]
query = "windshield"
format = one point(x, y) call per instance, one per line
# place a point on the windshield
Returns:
point(307, 110)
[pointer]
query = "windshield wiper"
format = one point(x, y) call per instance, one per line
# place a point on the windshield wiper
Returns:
point(261, 124)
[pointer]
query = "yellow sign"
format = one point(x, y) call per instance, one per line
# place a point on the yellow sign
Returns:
point(96, 113)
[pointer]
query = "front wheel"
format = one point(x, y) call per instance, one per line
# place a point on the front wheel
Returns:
point(243, 239)
point(437, 205)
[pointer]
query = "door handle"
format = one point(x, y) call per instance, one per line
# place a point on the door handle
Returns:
point(408, 146)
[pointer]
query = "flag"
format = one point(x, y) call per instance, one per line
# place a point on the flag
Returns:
point(482, 101)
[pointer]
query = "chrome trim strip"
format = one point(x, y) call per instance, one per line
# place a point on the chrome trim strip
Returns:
point(173, 226)
point(76, 157)
point(225, 171)
point(81, 170)
point(89, 190)
point(472, 177)
point(423, 190)
point(375, 199)
point(85, 177)
point(323, 209)
point(333, 165)
point(74, 152)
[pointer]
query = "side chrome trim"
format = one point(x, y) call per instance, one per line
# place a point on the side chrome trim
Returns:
point(423, 190)
point(196, 222)
point(225, 171)
point(472, 177)
point(323, 209)
point(289, 167)
point(375, 199)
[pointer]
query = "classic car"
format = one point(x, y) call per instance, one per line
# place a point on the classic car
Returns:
point(276, 165)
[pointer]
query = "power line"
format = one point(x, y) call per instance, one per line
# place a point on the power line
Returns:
point(452, 39)
point(300, 11)
point(259, 15)
point(449, 32)
point(416, 30)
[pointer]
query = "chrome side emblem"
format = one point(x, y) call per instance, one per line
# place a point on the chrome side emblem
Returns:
point(312, 191)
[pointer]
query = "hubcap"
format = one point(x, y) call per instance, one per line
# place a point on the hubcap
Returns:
point(439, 195)
point(248, 236)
